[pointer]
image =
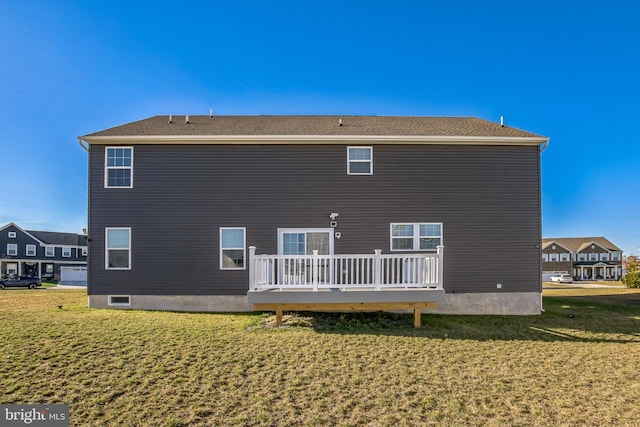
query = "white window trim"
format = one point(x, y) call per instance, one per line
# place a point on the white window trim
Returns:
point(84, 251)
point(33, 251)
point(106, 248)
point(554, 257)
point(107, 168)
point(46, 251)
point(12, 234)
point(13, 252)
point(65, 248)
point(283, 231)
point(243, 248)
point(119, 303)
point(349, 161)
point(416, 236)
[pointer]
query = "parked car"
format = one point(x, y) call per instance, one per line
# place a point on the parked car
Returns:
point(561, 278)
point(20, 281)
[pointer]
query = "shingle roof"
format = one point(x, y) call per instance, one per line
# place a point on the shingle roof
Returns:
point(577, 244)
point(58, 238)
point(315, 125)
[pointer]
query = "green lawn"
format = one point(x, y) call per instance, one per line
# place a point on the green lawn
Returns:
point(576, 364)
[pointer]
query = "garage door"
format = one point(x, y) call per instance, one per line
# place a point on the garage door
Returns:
point(73, 274)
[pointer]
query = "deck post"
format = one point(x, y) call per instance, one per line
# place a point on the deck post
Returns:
point(417, 317)
point(314, 270)
point(252, 270)
point(440, 252)
point(377, 269)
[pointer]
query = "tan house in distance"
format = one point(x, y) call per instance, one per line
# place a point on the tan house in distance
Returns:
point(585, 258)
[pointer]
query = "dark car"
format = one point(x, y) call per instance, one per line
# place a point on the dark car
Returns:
point(30, 282)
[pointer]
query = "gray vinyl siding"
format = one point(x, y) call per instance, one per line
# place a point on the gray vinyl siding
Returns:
point(22, 239)
point(487, 197)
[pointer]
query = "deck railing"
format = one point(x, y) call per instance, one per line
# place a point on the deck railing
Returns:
point(314, 272)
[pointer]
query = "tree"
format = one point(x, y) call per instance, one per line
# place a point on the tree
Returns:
point(632, 278)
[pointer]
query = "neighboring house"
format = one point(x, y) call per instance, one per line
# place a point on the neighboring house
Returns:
point(585, 258)
point(235, 213)
point(40, 253)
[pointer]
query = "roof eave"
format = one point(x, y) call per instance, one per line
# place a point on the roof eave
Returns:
point(310, 139)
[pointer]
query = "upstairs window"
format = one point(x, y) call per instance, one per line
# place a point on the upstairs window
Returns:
point(360, 160)
point(545, 257)
point(12, 249)
point(564, 257)
point(604, 256)
point(615, 256)
point(31, 250)
point(49, 251)
point(582, 257)
point(12, 234)
point(232, 248)
point(553, 257)
point(593, 257)
point(118, 167)
point(84, 251)
point(66, 252)
point(416, 236)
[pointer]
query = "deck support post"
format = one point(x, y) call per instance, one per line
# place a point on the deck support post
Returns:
point(417, 308)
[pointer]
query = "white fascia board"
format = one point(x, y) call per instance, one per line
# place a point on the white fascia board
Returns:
point(44, 261)
point(40, 242)
point(553, 242)
point(311, 139)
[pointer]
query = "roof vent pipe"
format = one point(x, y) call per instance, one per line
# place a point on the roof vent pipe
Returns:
point(210, 112)
point(186, 120)
point(340, 122)
point(170, 119)
point(501, 121)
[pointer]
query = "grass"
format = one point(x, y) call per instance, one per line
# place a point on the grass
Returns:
point(613, 283)
point(576, 364)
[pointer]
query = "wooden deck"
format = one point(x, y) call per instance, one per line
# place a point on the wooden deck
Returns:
point(279, 308)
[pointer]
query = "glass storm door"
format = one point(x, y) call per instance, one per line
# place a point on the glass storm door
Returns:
point(304, 242)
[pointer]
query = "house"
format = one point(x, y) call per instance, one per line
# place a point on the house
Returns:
point(43, 254)
point(585, 258)
point(235, 213)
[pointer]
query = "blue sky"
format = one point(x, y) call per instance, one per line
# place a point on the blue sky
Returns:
point(564, 69)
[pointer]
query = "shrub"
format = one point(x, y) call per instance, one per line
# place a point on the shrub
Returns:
point(632, 278)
